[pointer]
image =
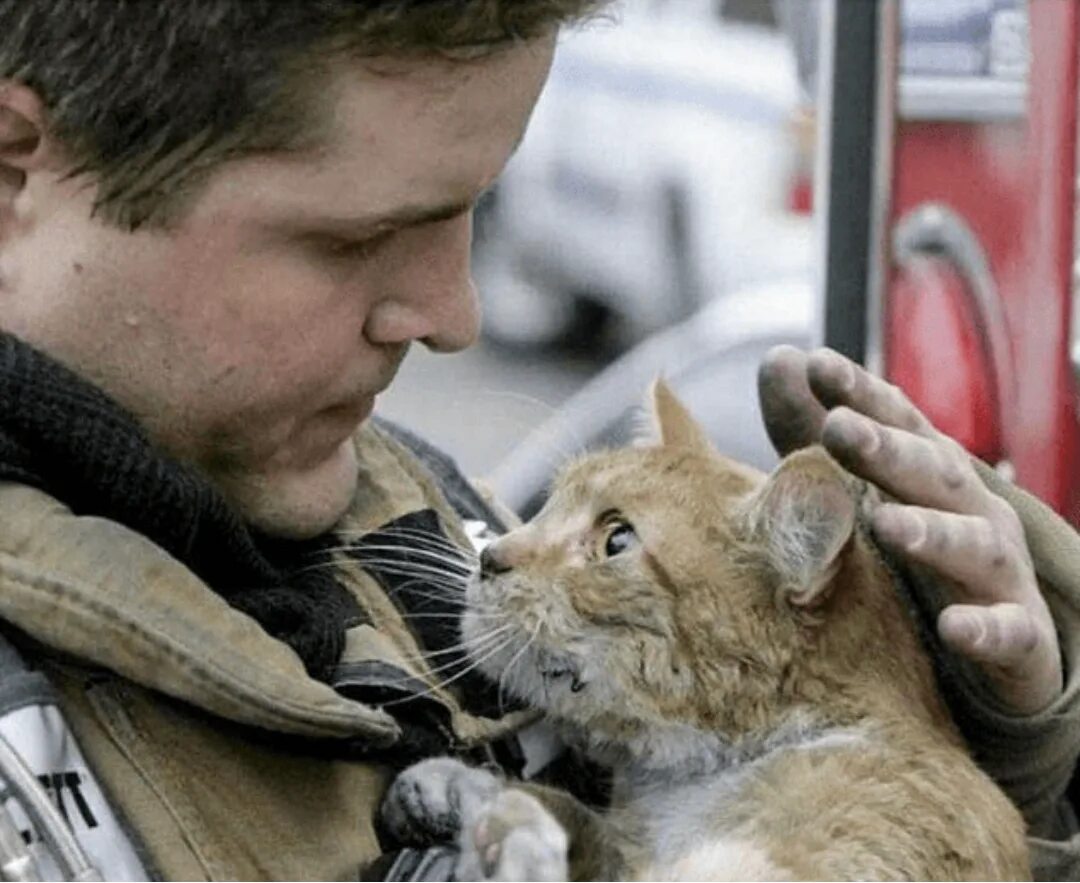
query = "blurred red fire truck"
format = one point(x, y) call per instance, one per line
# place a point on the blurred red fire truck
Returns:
point(951, 251)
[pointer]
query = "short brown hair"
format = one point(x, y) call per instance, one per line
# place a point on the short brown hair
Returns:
point(148, 95)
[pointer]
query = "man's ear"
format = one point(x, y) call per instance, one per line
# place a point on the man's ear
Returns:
point(23, 141)
point(805, 517)
point(675, 425)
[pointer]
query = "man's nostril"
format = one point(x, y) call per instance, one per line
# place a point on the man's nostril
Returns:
point(491, 564)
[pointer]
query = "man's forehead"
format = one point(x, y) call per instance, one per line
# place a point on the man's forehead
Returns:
point(391, 153)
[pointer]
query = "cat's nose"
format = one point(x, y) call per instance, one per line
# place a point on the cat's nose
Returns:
point(491, 564)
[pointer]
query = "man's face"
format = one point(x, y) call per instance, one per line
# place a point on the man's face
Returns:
point(253, 338)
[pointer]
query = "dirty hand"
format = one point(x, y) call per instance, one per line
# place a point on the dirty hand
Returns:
point(946, 518)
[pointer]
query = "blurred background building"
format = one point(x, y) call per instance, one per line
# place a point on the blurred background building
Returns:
point(660, 218)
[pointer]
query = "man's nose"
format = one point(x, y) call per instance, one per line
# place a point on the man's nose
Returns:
point(458, 320)
point(432, 298)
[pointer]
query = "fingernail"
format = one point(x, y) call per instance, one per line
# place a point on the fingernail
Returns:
point(856, 432)
point(840, 370)
point(972, 629)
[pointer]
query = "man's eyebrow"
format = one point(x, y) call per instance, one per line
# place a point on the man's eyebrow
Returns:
point(410, 216)
point(407, 216)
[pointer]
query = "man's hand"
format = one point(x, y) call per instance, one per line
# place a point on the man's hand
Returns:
point(946, 519)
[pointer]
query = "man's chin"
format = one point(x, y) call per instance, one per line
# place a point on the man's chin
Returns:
point(295, 503)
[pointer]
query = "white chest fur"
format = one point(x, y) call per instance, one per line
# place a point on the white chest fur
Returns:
point(684, 835)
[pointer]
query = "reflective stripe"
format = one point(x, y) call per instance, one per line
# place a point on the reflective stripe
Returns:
point(42, 738)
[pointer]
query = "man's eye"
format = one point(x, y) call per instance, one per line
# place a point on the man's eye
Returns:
point(621, 538)
point(355, 248)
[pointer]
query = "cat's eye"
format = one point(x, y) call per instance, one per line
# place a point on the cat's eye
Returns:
point(621, 538)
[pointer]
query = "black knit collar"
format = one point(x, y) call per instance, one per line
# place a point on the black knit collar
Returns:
point(66, 437)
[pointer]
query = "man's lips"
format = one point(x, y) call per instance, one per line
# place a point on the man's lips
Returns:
point(317, 437)
point(327, 430)
point(350, 413)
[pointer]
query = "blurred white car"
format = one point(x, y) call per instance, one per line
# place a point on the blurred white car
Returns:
point(710, 360)
point(656, 174)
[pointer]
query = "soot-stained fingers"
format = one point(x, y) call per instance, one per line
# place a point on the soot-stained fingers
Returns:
point(953, 523)
point(985, 560)
point(1016, 645)
point(1006, 638)
point(792, 413)
point(998, 617)
point(933, 472)
point(835, 381)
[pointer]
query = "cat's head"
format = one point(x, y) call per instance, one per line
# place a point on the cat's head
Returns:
point(666, 586)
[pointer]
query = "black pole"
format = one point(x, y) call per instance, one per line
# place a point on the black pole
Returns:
point(849, 222)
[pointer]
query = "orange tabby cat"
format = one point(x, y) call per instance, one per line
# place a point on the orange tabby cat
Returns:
point(731, 645)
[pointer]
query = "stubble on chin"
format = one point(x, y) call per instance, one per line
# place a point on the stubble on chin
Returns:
point(293, 504)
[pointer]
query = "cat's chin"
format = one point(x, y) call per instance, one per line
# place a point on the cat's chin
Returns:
point(535, 680)
point(646, 748)
point(536, 675)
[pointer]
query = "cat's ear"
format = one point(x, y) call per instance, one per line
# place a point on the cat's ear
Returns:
point(805, 517)
point(675, 425)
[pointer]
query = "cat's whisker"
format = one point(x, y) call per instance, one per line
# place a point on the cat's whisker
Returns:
point(443, 684)
point(431, 576)
point(412, 540)
point(450, 557)
point(422, 538)
point(457, 562)
point(423, 589)
point(362, 553)
point(399, 567)
point(402, 531)
point(439, 671)
point(426, 587)
point(465, 645)
point(436, 568)
point(429, 561)
point(437, 584)
point(479, 644)
point(480, 616)
point(424, 576)
point(484, 618)
point(513, 661)
point(450, 606)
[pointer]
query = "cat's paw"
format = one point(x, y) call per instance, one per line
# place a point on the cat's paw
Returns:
point(512, 837)
point(428, 802)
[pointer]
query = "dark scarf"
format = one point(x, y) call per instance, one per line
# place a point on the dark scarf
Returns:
point(64, 436)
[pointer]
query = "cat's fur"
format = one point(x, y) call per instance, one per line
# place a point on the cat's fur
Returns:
point(744, 666)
